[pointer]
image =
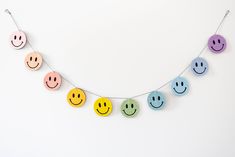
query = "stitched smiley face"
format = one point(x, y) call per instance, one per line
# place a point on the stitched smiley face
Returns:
point(18, 39)
point(33, 61)
point(217, 43)
point(52, 81)
point(129, 108)
point(199, 66)
point(76, 97)
point(103, 106)
point(180, 86)
point(156, 100)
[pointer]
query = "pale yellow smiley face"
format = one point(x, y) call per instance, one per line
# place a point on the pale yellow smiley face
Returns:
point(76, 97)
point(103, 106)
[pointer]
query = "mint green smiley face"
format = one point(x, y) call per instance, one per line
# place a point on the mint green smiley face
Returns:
point(129, 108)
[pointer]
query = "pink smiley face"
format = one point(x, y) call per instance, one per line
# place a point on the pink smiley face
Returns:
point(52, 81)
point(18, 39)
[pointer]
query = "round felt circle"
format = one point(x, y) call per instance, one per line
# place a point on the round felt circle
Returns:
point(18, 39)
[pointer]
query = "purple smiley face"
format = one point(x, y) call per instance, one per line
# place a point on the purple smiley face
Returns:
point(217, 43)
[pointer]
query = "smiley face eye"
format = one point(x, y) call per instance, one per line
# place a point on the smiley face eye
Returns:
point(218, 40)
point(177, 84)
point(158, 98)
point(126, 106)
point(153, 98)
point(50, 78)
point(196, 64)
point(79, 95)
point(54, 78)
point(31, 58)
point(105, 104)
point(36, 59)
point(20, 38)
point(99, 104)
point(132, 105)
point(73, 95)
point(182, 83)
point(213, 42)
point(15, 37)
point(201, 64)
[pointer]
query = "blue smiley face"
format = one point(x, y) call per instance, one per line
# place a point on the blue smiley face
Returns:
point(199, 66)
point(180, 86)
point(156, 100)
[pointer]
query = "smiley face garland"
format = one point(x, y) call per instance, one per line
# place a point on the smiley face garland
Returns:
point(129, 108)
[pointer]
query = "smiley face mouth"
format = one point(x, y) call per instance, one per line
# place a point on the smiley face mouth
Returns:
point(75, 103)
point(104, 112)
point(129, 114)
point(218, 49)
point(180, 92)
point(16, 45)
point(199, 72)
point(32, 67)
point(50, 86)
point(155, 106)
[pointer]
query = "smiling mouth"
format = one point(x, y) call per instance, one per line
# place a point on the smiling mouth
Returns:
point(180, 92)
point(74, 103)
point(32, 67)
point(104, 112)
point(155, 106)
point(50, 86)
point(16, 45)
point(199, 72)
point(218, 49)
point(129, 114)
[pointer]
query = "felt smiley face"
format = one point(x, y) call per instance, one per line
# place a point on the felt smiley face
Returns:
point(103, 106)
point(199, 66)
point(33, 61)
point(52, 81)
point(217, 43)
point(18, 39)
point(129, 108)
point(180, 86)
point(156, 100)
point(76, 97)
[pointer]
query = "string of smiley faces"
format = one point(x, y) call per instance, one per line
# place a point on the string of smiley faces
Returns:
point(76, 97)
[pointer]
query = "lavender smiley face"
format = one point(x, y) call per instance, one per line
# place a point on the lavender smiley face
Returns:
point(217, 43)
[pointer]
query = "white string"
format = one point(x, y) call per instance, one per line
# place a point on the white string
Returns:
point(135, 96)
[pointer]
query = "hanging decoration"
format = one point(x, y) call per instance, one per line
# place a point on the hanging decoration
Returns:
point(129, 108)
point(217, 43)
point(156, 100)
point(33, 61)
point(180, 86)
point(76, 97)
point(199, 66)
point(18, 40)
point(103, 106)
point(52, 81)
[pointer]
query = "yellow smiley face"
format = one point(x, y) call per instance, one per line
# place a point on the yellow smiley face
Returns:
point(103, 106)
point(76, 97)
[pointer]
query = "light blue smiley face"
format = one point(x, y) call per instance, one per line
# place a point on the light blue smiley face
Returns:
point(199, 66)
point(180, 86)
point(156, 100)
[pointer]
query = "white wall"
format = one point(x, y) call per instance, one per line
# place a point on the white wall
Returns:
point(117, 48)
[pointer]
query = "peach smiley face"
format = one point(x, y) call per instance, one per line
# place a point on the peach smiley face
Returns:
point(52, 81)
point(18, 39)
point(33, 61)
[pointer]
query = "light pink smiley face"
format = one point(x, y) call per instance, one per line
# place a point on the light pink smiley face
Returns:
point(18, 39)
point(52, 81)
